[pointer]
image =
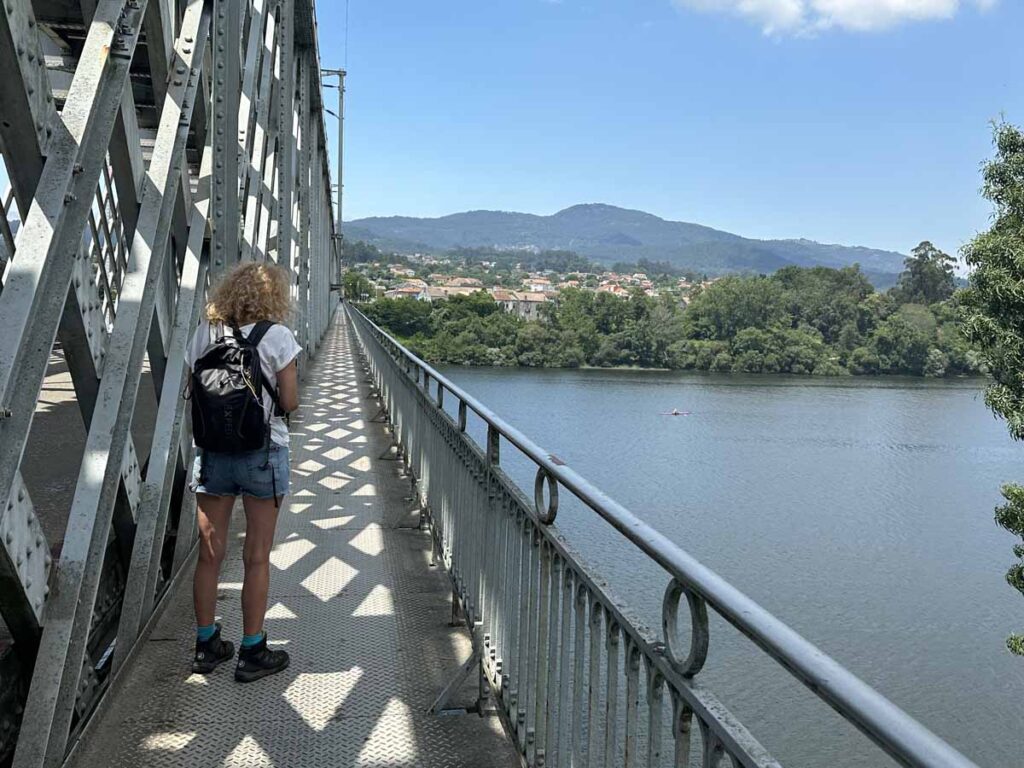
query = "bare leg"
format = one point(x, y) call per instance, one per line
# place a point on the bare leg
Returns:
point(214, 513)
point(260, 522)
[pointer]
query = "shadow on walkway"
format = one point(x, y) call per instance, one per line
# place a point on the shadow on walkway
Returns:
point(354, 600)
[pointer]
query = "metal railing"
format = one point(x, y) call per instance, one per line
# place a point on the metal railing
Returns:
point(580, 681)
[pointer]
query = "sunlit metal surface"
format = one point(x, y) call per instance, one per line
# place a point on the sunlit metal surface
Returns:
point(581, 681)
point(136, 146)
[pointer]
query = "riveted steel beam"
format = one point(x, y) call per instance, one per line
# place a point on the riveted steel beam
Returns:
point(266, 229)
point(28, 111)
point(285, 152)
point(250, 76)
point(37, 281)
point(197, 251)
point(227, 20)
point(252, 246)
point(82, 330)
point(25, 544)
point(305, 207)
point(167, 434)
point(69, 611)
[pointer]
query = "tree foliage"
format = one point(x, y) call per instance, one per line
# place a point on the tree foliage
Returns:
point(993, 312)
point(800, 321)
point(356, 287)
point(928, 276)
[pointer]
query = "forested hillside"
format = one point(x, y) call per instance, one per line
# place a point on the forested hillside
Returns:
point(799, 320)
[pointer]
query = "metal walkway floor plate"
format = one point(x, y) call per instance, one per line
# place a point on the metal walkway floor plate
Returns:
point(354, 600)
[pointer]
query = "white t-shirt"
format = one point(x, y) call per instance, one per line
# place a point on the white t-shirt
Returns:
point(277, 349)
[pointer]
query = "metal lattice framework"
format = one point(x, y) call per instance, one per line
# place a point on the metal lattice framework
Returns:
point(149, 145)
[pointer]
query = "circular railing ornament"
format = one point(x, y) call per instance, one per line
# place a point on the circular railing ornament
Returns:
point(699, 634)
point(546, 513)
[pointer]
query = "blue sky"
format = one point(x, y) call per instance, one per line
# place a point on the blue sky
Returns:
point(851, 121)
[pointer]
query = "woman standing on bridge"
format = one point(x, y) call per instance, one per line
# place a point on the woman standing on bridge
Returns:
point(243, 385)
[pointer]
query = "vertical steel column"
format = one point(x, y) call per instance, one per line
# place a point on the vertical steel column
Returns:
point(246, 111)
point(197, 250)
point(224, 204)
point(285, 133)
point(315, 216)
point(305, 212)
point(336, 241)
point(341, 150)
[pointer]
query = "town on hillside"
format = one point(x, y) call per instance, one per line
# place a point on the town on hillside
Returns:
point(520, 287)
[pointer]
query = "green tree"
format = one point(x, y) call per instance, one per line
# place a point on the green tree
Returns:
point(825, 299)
point(404, 317)
point(356, 287)
point(993, 311)
point(927, 276)
point(733, 303)
point(901, 346)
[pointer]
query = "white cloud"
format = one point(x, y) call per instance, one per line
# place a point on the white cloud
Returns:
point(807, 16)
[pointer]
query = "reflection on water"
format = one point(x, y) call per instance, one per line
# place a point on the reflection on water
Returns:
point(858, 511)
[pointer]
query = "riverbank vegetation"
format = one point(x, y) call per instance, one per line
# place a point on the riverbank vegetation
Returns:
point(993, 313)
point(798, 320)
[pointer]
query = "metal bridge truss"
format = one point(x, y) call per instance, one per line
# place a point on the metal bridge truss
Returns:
point(149, 145)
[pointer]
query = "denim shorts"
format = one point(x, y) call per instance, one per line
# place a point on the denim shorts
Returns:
point(242, 474)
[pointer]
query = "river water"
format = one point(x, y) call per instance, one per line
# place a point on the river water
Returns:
point(858, 511)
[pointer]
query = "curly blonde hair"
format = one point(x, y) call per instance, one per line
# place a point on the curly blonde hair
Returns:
point(250, 292)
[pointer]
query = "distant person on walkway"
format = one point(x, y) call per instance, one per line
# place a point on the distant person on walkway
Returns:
point(243, 384)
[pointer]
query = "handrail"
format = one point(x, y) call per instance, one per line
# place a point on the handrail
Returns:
point(892, 729)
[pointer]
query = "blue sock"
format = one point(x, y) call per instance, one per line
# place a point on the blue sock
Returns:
point(248, 641)
point(205, 633)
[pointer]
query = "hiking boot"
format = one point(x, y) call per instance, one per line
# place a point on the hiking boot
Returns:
point(210, 653)
point(256, 661)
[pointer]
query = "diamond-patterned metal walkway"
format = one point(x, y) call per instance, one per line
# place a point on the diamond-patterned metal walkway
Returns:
point(354, 600)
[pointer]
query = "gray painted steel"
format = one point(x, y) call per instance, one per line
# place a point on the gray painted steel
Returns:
point(562, 654)
point(36, 284)
point(109, 258)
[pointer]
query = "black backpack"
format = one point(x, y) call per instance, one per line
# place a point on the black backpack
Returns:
point(227, 394)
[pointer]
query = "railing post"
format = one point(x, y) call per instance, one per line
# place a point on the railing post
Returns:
point(493, 445)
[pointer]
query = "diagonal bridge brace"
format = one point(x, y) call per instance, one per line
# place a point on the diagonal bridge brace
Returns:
point(68, 612)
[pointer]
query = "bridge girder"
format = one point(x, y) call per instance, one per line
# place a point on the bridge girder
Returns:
point(149, 145)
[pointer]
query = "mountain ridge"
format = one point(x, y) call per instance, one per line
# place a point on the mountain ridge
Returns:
point(608, 233)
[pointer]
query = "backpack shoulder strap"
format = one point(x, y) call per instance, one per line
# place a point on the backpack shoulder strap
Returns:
point(255, 337)
point(259, 331)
